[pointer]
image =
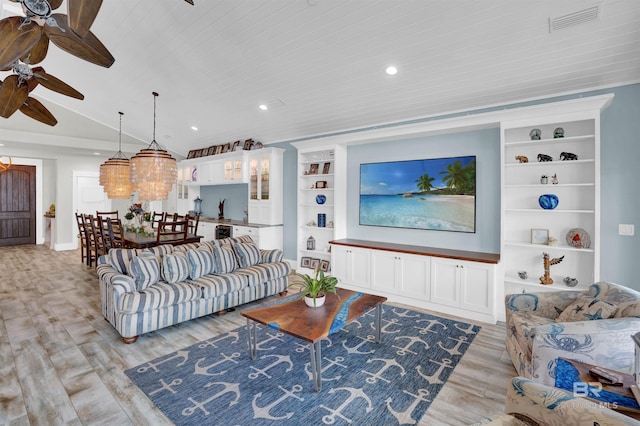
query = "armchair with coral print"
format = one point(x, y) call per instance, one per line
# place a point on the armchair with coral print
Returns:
point(592, 326)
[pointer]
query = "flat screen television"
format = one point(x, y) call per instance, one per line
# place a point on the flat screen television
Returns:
point(435, 193)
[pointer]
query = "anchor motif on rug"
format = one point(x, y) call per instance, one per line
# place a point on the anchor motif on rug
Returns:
point(404, 313)
point(387, 324)
point(260, 345)
point(354, 349)
point(151, 365)
point(468, 330)
point(227, 388)
point(326, 365)
point(404, 417)
point(412, 340)
point(280, 360)
point(167, 386)
point(432, 323)
point(434, 379)
point(204, 369)
point(353, 395)
point(263, 412)
point(388, 363)
point(212, 342)
point(454, 350)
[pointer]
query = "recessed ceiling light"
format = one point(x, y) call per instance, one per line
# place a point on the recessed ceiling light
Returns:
point(391, 70)
point(1, 144)
point(263, 107)
point(96, 153)
point(194, 128)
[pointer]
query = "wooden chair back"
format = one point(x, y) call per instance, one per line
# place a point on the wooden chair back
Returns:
point(115, 234)
point(83, 238)
point(193, 223)
point(172, 232)
point(111, 215)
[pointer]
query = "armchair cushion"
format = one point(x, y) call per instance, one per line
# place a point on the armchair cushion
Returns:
point(587, 309)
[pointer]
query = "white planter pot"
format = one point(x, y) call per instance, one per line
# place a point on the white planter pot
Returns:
point(319, 301)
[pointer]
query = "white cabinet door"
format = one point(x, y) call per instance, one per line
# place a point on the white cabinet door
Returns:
point(207, 230)
point(385, 270)
point(477, 286)
point(211, 173)
point(445, 285)
point(351, 265)
point(415, 278)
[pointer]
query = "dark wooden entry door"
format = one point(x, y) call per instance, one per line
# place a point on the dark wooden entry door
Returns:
point(18, 206)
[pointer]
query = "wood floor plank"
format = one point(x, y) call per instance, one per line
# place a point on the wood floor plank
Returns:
point(62, 363)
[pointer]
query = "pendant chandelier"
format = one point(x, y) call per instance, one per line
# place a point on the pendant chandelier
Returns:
point(153, 170)
point(114, 173)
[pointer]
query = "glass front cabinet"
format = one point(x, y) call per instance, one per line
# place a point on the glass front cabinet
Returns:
point(265, 186)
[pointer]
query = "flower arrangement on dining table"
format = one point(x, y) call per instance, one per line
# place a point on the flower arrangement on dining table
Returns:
point(138, 221)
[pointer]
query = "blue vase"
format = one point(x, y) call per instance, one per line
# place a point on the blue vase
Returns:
point(548, 201)
point(320, 199)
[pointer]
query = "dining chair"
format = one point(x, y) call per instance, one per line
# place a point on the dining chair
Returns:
point(115, 234)
point(113, 214)
point(95, 238)
point(156, 218)
point(175, 218)
point(84, 239)
point(193, 223)
point(172, 232)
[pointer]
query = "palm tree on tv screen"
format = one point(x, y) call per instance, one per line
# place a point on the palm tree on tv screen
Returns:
point(460, 179)
point(424, 183)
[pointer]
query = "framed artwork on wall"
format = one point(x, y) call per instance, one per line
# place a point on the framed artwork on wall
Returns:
point(305, 262)
point(539, 236)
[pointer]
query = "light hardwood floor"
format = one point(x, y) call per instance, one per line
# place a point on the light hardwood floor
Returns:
point(62, 363)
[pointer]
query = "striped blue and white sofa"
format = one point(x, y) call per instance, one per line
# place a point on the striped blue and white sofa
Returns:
point(143, 290)
point(592, 326)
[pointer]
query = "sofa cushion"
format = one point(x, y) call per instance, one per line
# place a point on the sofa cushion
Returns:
point(268, 256)
point(266, 272)
point(521, 328)
point(159, 295)
point(212, 285)
point(201, 262)
point(186, 247)
point(119, 258)
point(145, 270)
point(248, 254)
point(160, 250)
point(225, 259)
point(587, 308)
point(175, 267)
point(612, 293)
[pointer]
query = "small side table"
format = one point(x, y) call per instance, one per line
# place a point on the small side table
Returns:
point(618, 398)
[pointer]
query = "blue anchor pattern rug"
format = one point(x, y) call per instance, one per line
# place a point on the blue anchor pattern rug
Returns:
point(215, 382)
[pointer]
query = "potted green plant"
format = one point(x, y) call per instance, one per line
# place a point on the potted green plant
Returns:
point(314, 289)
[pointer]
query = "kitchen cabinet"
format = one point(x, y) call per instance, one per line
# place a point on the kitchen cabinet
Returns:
point(351, 265)
point(265, 186)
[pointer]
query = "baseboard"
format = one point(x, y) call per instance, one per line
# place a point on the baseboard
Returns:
point(65, 246)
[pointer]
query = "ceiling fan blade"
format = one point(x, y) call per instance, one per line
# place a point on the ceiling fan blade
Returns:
point(55, 4)
point(12, 95)
point(14, 43)
point(88, 47)
point(82, 13)
point(55, 84)
point(190, 2)
point(38, 51)
point(34, 109)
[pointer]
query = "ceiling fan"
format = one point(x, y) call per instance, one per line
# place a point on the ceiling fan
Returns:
point(24, 41)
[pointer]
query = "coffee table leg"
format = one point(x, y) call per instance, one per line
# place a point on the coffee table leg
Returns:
point(378, 321)
point(251, 333)
point(316, 365)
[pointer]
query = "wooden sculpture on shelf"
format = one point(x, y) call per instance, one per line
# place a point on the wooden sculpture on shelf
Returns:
point(546, 278)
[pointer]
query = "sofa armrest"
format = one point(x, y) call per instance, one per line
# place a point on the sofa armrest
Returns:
point(606, 343)
point(553, 406)
point(270, 256)
point(544, 304)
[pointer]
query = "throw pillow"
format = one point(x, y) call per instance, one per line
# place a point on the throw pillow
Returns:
point(175, 267)
point(248, 254)
point(225, 259)
point(270, 256)
point(587, 308)
point(120, 258)
point(145, 270)
point(201, 262)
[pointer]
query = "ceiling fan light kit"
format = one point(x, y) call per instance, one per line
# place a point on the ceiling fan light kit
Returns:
point(153, 169)
point(115, 173)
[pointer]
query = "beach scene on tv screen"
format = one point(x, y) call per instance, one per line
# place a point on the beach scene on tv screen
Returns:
point(436, 193)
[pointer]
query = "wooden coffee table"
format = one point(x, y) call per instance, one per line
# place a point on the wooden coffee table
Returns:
point(293, 317)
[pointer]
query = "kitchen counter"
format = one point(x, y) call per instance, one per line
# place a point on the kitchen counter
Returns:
point(234, 222)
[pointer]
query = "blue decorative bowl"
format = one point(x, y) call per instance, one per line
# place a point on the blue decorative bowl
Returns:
point(320, 199)
point(548, 201)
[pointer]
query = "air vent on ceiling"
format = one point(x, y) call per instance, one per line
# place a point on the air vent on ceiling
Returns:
point(577, 18)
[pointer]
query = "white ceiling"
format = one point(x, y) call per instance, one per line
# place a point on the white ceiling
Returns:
point(321, 64)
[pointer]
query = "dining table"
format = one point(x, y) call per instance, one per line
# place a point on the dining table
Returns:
point(135, 240)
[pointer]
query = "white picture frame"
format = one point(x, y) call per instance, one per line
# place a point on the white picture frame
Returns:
point(539, 236)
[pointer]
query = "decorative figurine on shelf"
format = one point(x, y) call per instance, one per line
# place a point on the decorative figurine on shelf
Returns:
point(548, 201)
point(522, 159)
point(568, 156)
point(554, 179)
point(311, 243)
point(535, 134)
point(546, 278)
point(551, 241)
point(523, 275)
point(544, 179)
point(221, 210)
point(558, 133)
point(578, 238)
point(544, 157)
point(570, 282)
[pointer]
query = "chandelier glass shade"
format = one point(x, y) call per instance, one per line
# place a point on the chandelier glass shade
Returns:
point(114, 173)
point(153, 170)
